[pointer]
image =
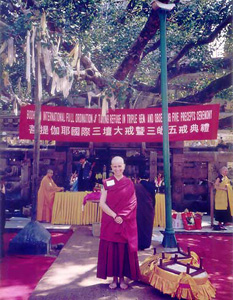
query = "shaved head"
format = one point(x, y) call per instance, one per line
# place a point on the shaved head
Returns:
point(50, 173)
point(117, 160)
point(118, 166)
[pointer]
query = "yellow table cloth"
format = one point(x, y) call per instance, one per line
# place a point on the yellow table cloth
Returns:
point(160, 213)
point(67, 209)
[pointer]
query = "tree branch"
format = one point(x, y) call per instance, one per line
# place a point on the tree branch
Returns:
point(206, 95)
point(2, 24)
point(91, 73)
point(128, 10)
point(226, 123)
point(133, 57)
point(143, 87)
point(200, 42)
point(224, 63)
point(54, 99)
point(150, 49)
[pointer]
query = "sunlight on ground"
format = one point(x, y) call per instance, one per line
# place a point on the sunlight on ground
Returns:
point(15, 292)
point(88, 281)
point(77, 247)
point(67, 274)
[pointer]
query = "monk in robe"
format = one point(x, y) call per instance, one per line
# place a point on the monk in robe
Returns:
point(46, 195)
point(117, 256)
point(145, 192)
point(223, 199)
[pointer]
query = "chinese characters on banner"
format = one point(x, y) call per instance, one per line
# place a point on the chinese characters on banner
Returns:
point(120, 125)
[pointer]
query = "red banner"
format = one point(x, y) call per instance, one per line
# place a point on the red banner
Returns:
point(120, 125)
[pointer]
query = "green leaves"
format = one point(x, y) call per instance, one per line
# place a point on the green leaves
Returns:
point(107, 29)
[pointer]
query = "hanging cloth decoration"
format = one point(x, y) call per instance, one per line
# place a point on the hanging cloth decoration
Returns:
point(90, 95)
point(113, 100)
point(33, 51)
point(47, 55)
point(62, 83)
point(104, 107)
point(5, 77)
point(43, 24)
point(67, 81)
point(3, 47)
point(28, 62)
point(76, 54)
point(39, 71)
point(79, 61)
point(10, 56)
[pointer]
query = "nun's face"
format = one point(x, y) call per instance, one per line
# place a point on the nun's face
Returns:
point(118, 167)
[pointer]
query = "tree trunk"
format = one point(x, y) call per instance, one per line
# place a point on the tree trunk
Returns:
point(134, 56)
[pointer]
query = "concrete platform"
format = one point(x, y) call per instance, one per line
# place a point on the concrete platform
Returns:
point(73, 274)
point(206, 228)
point(15, 224)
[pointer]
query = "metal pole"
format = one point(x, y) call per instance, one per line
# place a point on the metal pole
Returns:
point(169, 239)
point(36, 148)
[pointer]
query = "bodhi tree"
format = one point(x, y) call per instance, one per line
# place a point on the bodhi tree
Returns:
point(108, 52)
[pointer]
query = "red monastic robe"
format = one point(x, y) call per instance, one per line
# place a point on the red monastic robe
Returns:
point(45, 199)
point(122, 200)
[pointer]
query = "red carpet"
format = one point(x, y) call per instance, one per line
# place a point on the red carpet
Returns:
point(217, 254)
point(21, 273)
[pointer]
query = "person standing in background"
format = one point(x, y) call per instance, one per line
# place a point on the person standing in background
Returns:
point(223, 199)
point(118, 246)
point(93, 176)
point(84, 174)
point(46, 195)
point(74, 182)
point(159, 183)
point(145, 193)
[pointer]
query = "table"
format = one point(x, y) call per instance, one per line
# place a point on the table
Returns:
point(160, 213)
point(67, 209)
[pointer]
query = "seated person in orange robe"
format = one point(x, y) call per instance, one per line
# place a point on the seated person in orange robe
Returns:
point(45, 198)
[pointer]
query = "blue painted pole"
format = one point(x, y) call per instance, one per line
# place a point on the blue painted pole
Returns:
point(169, 240)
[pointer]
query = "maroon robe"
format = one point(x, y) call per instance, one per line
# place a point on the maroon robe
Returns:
point(118, 242)
point(122, 200)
